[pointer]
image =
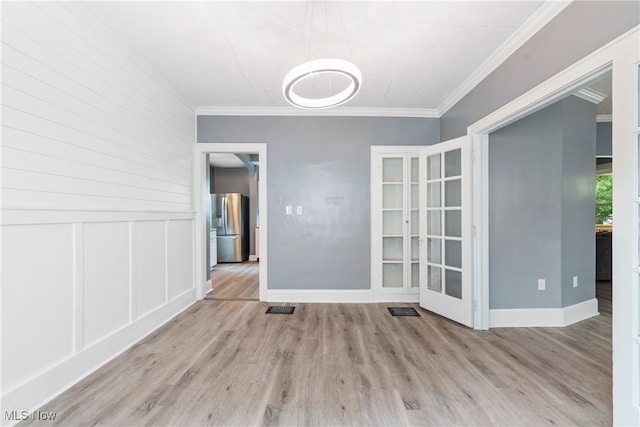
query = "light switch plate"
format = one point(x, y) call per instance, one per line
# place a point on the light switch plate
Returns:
point(288, 210)
point(542, 284)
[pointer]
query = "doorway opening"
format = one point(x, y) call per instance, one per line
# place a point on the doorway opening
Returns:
point(231, 246)
point(234, 226)
point(542, 211)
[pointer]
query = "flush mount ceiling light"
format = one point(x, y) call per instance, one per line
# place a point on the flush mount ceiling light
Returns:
point(311, 69)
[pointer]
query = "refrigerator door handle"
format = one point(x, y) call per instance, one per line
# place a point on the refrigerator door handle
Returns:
point(224, 215)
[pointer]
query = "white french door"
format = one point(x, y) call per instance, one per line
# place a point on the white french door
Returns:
point(395, 223)
point(445, 230)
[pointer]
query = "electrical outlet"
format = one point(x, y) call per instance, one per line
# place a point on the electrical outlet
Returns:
point(575, 281)
point(542, 284)
point(299, 210)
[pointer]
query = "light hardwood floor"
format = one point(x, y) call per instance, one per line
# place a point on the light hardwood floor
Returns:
point(227, 363)
point(235, 282)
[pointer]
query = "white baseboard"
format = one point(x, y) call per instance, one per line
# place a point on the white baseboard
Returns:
point(253, 258)
point(543, 317)
point(42, 388)
point(392, 297)
point(320, 295)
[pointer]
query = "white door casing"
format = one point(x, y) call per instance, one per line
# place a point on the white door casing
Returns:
point(201, 198)
point(621, 56)
point(445, 230)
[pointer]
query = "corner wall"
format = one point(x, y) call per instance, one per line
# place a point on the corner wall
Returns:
point(97, 200)
point(541, 208)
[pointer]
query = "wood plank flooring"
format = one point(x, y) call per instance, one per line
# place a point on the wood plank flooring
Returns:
point(227, 363)
point(235, 282)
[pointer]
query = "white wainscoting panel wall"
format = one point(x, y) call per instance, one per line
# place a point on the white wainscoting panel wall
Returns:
point(106, 279)
point(97, 200)
point(180, 257)
point(151, 266)
point(38, 310)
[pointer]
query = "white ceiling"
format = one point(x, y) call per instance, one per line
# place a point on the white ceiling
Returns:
point(225, 160)
point(418, 56)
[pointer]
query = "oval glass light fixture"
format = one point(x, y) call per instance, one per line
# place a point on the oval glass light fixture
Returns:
point(314, 68)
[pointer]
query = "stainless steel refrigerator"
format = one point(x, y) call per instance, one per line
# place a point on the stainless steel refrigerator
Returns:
point(230, 216)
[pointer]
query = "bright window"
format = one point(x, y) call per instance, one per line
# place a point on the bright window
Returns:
point(604, 199)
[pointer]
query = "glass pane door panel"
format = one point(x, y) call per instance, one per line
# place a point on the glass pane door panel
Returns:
point(392, 222)
point(415, 249)
point(433, 194)
point(434, 223)
point(392, 275)
point(453, 223)
point(392, 248)
point(415, 275)
point(434, 280)
point(392, 170)
point(434, 251)
point(433, 167)
point(415, 196)
point(453, 192)
point(415, 172)
point(452, 163)
point(415, 222)
point(453, 253)
point(453, 283)
point(392, 196)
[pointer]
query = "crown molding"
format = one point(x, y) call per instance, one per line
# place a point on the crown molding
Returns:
point(591, 95)
point(539, 19)
point(602, 118)
point(337, 112)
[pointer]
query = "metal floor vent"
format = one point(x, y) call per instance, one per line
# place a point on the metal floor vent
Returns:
point(278, 309)
point(403, 311)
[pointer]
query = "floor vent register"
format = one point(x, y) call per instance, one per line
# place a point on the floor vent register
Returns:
point(403, 311)
point(278, 309)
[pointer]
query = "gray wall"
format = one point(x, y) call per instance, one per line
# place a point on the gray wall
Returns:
point(541, 208)
point(323, 164)
point(578, 30)
point(603, 139)
point(525, 162)
point(230, 180)
point(578, 200)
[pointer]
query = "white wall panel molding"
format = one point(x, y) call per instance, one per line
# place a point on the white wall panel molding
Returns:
point(78, 287)
point(85, 284)
point(150, 274)
point(180, 256)
point(26, 216)
point(44, 386)
point(37, 299)
point(106, 279)
point(97, 199)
